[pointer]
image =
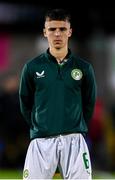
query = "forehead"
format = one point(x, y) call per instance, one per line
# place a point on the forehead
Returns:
point(57, 24)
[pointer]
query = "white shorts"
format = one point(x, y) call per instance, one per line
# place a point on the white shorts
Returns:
point(68, 152)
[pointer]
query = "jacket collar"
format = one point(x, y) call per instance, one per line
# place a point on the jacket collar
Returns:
point(52, 58)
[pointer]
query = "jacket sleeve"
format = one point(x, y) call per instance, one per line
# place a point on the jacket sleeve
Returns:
point(26, 94)
point(89, 94)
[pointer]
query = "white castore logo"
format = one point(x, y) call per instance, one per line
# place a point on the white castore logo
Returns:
point(40, 75)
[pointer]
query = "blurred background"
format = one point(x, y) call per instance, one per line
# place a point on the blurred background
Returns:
point(21, 39)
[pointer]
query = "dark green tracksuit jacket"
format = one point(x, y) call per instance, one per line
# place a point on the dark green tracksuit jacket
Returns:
point(57, 99)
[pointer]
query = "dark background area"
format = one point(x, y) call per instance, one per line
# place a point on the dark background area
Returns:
point(86, 16)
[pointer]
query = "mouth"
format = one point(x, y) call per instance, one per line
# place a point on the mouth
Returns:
point(57, 41)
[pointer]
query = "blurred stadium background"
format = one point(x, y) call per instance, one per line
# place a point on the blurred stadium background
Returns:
point(20, 40)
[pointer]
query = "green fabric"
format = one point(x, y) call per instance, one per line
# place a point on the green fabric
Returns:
point(52, 101)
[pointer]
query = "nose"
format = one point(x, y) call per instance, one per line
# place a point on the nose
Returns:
point(57, 32)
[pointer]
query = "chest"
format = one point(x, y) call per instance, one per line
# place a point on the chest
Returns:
point(46, 75)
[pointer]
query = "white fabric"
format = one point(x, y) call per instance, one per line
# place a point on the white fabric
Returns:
point(68, 152)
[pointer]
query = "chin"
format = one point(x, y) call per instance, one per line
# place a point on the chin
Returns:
point(58, 47)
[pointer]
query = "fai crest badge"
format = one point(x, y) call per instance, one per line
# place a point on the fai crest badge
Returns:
point(25, 173)
point(76, 74)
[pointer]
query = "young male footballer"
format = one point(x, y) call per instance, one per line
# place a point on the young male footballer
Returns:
point(57, 98)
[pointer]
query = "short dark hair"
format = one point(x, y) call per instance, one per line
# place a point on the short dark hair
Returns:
point(58, 14)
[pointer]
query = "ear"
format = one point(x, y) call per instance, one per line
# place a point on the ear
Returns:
point(70, 32)
point(44, 32)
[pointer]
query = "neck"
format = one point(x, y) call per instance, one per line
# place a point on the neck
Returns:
point(59, 54)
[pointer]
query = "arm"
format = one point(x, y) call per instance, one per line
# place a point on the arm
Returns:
point(89, 93)
point(26, 94)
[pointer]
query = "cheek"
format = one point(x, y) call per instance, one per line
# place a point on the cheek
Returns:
point(65, 37)
point(50, 39)
point(49, 35)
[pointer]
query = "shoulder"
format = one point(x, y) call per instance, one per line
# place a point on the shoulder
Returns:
point(32, 63)
point(84, 66)
point(82, 62)
point(36, 60)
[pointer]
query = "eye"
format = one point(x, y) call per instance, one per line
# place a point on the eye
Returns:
point(63, 29)
point(51, 29)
